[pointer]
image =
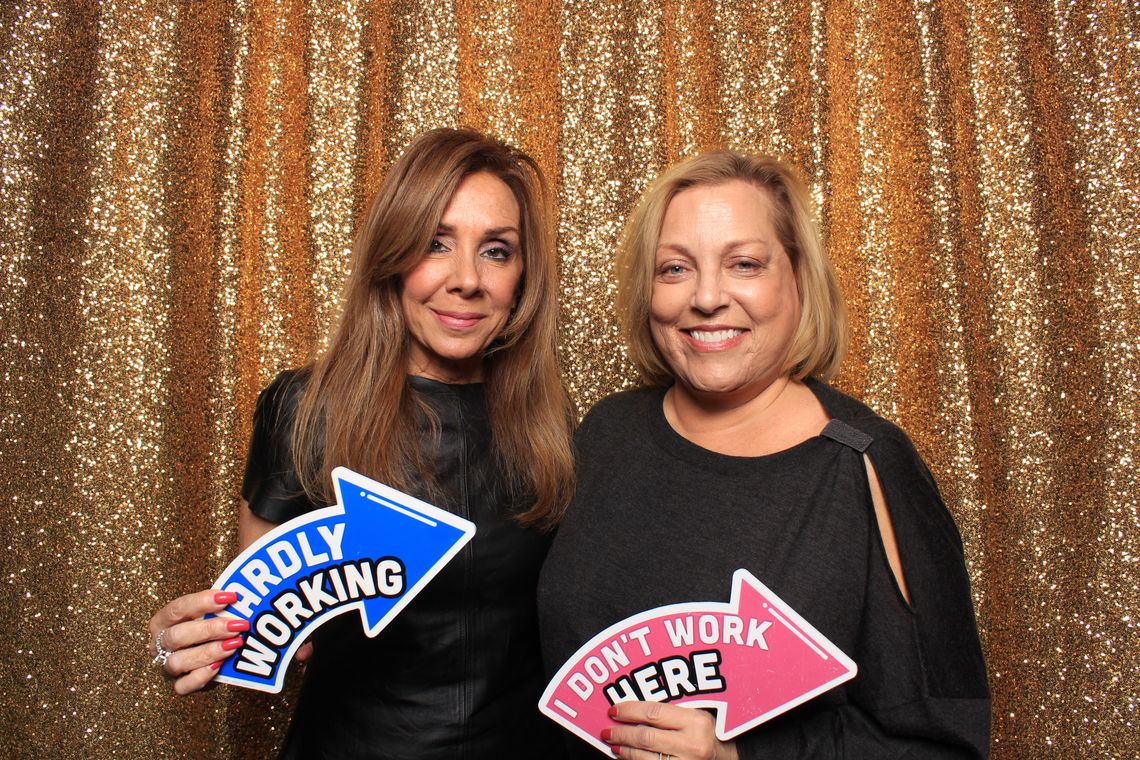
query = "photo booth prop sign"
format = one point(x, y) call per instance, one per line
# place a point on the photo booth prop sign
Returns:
point(750, 659)
point(373, 552)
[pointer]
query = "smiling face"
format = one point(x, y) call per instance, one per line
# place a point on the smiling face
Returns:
point(724, 306)
point(458, 298)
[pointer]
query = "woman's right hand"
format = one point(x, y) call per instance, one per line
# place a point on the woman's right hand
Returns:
point(195, 646)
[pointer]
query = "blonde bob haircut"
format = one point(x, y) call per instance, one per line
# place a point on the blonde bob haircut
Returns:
point(358, 408)
point(820, 341)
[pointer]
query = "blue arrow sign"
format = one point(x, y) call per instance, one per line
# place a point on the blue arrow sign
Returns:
point(373, 551)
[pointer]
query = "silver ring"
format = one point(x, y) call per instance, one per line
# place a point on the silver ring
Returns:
point(163, 653)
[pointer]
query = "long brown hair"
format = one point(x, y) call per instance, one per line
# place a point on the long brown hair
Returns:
point(358, 409)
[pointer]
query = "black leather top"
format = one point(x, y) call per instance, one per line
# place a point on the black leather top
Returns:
point(457, 674)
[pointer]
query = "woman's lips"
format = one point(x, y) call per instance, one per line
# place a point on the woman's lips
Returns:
point(458, 320)
point(713, 338)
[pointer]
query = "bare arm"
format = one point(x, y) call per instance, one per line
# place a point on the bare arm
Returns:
point(250, 526)
point(886, 527)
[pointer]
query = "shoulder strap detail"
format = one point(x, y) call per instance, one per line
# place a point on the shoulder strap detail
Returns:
point(840, 432)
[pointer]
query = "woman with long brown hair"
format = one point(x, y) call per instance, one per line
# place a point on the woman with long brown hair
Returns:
point(441, 380)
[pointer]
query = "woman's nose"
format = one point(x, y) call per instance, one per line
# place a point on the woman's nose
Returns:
point(464, 278)
point(709, 295)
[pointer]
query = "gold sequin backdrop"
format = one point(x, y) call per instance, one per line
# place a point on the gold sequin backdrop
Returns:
point(180, 185)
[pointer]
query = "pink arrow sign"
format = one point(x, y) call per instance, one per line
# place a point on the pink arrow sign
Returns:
point(751, 659)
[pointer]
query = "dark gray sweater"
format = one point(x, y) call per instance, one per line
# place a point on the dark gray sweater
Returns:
point(657, 520)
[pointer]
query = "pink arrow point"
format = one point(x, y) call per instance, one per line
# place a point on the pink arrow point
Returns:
point(799, 664)
point(751, 659)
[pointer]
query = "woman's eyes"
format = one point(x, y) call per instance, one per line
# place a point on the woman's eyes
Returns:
point(746, 266)
point(496, 253)
point(672, 270)
point(679, 270)
point(493, 251)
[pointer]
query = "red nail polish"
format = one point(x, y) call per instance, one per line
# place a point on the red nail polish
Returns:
point(216, 665)
point(233, 643)
point(616, 750)
point(606, 734)
point(237, 625)
point(612, 712)
point(225, 597)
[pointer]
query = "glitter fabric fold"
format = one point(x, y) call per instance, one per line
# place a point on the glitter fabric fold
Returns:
point(179, 192)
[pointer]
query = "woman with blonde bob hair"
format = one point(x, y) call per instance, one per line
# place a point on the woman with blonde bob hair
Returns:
point(820, 341)
point(440, 379)
point(735, 454)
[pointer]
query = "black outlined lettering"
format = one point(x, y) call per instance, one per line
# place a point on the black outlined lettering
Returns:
point(274, 630)
point(670, 678)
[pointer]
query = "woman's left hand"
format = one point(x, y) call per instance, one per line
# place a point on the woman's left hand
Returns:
point(655, 731)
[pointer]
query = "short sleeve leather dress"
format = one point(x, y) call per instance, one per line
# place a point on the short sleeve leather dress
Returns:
point(458, 673)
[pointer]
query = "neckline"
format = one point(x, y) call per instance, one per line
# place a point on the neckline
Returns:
point(427, 385)
point(682, 448)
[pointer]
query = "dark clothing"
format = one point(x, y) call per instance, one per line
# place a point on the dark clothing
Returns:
point(658, 520)
point(457, 674)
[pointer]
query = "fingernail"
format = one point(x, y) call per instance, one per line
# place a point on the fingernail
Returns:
point(233, 643)
point(612, 712)
point(607, 733)
point(237, 625)
point(225, 597)
point(216, 665)
point(616, 750)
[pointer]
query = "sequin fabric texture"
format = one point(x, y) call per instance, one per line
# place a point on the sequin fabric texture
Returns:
point(180, 185)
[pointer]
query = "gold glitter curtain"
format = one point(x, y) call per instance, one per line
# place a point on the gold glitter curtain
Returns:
point(180, 184)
